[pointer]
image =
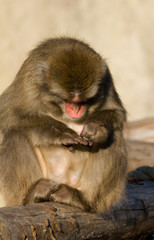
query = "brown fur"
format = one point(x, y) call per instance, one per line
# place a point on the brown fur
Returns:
point(92, 162)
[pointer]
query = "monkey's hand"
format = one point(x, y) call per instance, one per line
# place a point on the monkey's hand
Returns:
point(96, 133)
point(69, 140)
point(68, 137)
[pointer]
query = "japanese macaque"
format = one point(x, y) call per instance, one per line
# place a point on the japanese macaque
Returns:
point(61, 123)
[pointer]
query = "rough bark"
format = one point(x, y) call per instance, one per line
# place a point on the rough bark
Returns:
point(132, 219)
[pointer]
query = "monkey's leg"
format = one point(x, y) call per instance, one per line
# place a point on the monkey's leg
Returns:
point(47, 190)
point(112, 187)
point(19, 168)
point(71, 196)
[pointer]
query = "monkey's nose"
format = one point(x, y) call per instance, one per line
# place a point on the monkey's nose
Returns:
point(76, 98)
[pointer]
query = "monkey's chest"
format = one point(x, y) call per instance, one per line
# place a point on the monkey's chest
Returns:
point(63, 166)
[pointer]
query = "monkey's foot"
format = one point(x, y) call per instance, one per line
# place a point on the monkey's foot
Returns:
point(40, 191)
point(70, 196)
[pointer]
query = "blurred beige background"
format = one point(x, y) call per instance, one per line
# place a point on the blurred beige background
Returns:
point(120, 30)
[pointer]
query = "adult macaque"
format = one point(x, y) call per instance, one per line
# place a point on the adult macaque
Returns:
point(62, 123)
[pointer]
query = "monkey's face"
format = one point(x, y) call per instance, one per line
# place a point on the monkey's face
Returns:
point(73, 78)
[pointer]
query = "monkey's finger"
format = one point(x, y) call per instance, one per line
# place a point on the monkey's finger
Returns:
point(89, 131)
point(85, 134)
point(69, 141)
point(87, 138)
point(82, 141)
point(90, 141)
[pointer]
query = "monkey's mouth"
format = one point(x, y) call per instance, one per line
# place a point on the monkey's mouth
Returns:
point(74, 110)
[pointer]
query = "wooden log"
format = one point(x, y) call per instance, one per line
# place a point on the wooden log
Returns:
point(132, 219)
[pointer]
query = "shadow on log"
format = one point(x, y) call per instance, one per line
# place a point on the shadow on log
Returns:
point(133, 219)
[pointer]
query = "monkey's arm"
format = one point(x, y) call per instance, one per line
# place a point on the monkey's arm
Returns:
point(113, 118)
point(42, 130)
